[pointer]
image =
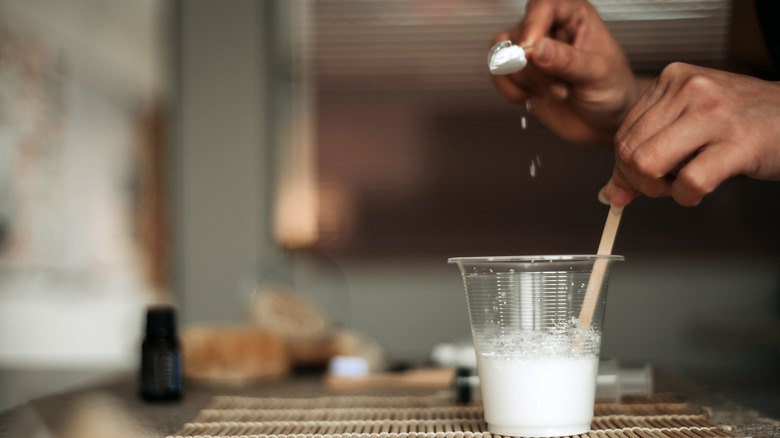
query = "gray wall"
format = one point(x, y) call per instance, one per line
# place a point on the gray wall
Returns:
point(689, 312)
point(221, 203)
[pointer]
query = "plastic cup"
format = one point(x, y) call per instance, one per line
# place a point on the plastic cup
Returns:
point(537, 365)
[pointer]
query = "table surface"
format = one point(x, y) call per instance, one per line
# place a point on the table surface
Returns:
point(114, 406)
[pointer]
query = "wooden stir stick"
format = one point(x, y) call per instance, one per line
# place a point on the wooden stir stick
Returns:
point(598, 274)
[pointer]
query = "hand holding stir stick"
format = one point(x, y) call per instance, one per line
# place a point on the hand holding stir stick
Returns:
point(597, 275)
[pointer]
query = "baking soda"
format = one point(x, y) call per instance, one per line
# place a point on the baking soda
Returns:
point(538, 396)
point(505, 58)
point(535, 164)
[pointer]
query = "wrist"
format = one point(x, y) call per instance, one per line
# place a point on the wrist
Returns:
point(632, 94)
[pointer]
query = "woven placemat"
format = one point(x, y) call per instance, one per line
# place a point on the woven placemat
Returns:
point(423, 417)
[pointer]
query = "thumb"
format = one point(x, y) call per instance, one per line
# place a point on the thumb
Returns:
point(617, 194)
point(564, 62)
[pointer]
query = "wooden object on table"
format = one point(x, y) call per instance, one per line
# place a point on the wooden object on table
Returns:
point(234, 354)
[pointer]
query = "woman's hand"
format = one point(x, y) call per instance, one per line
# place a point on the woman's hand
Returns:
point(700, 125)
point(578, 80)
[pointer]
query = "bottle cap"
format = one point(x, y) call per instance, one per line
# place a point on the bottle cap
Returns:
point(161, 322)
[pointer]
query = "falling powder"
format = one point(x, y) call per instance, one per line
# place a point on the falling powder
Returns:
point(523, 123)
point(535, 164)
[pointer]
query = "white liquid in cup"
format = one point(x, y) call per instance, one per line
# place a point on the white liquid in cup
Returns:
point(538, 397)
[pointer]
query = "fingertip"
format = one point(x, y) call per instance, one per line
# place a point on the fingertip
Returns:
point(511, 91)
point(566, 63)
point(543, 53)
point(524, 36)
point(619, 197)
point(559, 91)
point(537, 21)
point(616, 196)
point(526, 42)
point(687, 199)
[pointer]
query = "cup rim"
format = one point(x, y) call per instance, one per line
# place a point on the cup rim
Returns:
point(536, 258)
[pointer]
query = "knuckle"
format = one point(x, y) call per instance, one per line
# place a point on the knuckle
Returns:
point(647, 186)
point(567, 65)
point(646, 164)
point(698, 83)
point(673, 69)
point(653, 188)
point(623, 151)
point(620, 134)
point(684, 77)
point(649, 175)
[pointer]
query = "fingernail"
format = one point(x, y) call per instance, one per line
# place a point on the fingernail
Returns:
point(543, 52)
point(619, 196)
point(602, 196)
point(559, 91)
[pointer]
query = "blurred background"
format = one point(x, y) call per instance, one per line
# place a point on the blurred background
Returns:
point(191, 152)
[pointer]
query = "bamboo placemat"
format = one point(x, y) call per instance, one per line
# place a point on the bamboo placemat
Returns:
point(423, 417)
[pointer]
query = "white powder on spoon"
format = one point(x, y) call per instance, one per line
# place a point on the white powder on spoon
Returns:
point(505, 58)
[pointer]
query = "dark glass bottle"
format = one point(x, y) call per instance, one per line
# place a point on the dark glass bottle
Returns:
point(161, 371)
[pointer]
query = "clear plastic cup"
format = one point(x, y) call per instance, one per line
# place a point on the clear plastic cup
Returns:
point(537, 363)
